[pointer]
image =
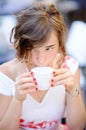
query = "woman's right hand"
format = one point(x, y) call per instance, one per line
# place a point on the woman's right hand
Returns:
point(24, 84)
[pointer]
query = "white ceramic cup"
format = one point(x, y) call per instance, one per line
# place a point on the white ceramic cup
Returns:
point(43, 77)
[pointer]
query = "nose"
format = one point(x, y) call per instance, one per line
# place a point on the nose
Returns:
point(41, 57)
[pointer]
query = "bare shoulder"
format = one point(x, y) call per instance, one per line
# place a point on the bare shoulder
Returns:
point(9, 68)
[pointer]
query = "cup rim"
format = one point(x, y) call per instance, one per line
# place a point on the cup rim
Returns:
point(42, 69)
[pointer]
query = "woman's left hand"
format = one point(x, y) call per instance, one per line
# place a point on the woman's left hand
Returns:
point(63, 77)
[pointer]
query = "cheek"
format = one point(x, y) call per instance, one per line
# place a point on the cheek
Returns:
point(54, 56)
point(51, 56)
point(33, 58)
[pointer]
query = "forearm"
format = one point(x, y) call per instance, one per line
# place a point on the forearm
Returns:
point(12, 116)
point(75, 112)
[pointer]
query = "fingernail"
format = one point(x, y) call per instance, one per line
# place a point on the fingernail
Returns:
point(31, 73)
point(36, 83)
point(36, 89)
point(54, 72)
point(34, 79)
point(52, 85)
point(65, 85)
point(52, 80)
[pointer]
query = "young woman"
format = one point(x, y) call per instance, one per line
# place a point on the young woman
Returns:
point(39, 39)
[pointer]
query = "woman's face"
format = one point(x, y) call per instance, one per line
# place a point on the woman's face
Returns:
point(44, 55)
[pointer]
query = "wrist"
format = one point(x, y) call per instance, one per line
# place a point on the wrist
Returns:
point(17, 100)
point(73, 92)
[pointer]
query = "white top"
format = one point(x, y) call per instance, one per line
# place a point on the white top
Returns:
point(48, 113)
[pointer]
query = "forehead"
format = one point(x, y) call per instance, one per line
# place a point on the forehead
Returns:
point(52, 40)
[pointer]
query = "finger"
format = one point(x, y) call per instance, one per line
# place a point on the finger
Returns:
point(63, 76)
point(27, 74)
point(64, 81)
point(26, 86)
point(25, 80)
point(60, 71)
point(26, 91)
point(34, 89)
point(69, 85)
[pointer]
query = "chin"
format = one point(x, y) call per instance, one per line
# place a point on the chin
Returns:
point(42, 65)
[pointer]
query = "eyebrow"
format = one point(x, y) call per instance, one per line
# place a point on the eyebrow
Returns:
point(50, 45)
point(45, 46)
